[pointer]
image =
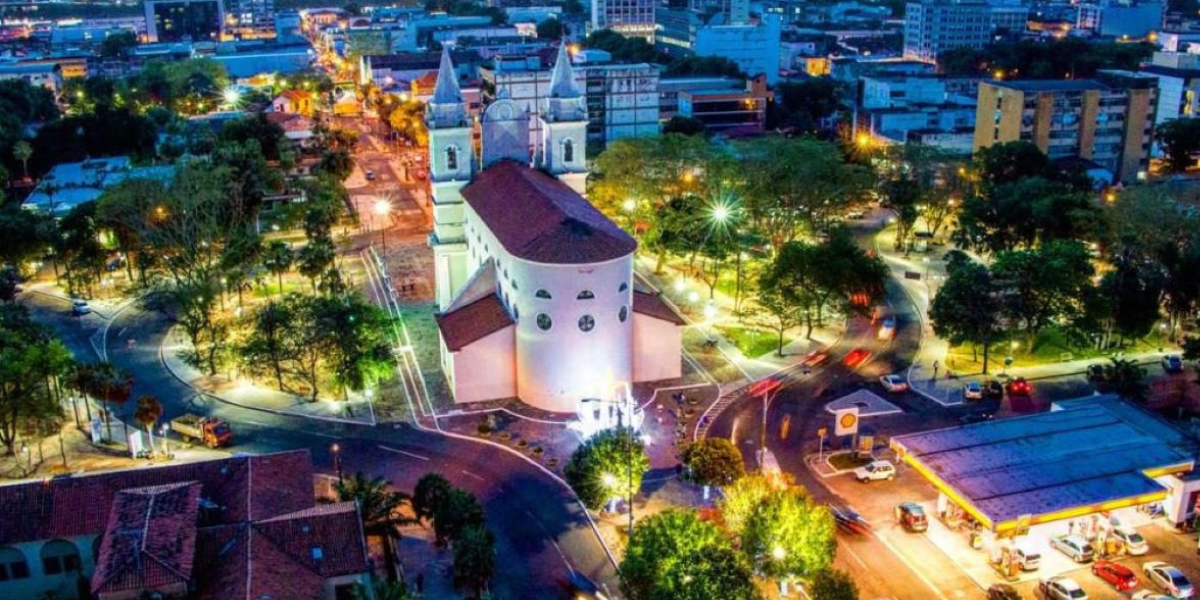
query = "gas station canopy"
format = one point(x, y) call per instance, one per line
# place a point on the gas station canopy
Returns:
point(1084, 456)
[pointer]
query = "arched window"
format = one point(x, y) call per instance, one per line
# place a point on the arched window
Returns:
point(59, 557)
point(516, 313)
point(544, 322)
point(515, 287)
point(587, 323)
point(585, 295)
point(452, 158)
point(568, 151)
point(12, 564)
point(542, 294)
point(624, 314)
point(624, 287)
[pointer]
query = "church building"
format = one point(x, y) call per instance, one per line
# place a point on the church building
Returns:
point(535, 287)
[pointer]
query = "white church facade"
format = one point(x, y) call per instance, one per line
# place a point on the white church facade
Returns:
point(535, 287)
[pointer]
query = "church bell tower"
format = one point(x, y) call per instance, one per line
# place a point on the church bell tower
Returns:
point(451, 166)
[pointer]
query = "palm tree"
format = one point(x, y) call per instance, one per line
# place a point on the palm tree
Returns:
point(22, 151)
point(380, 508)
point(278, 260)
point(1128, 380)
point(474, 559)
point(80, 378)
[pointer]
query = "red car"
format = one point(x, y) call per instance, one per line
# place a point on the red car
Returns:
point(1116, 574)
point(856, 357)
point(815, 358)
point(1020, 387)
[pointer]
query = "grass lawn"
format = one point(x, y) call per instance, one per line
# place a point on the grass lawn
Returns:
point(1051, 346)
point(843, 461)
point(753, 342)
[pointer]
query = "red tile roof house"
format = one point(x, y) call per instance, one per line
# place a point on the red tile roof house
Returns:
point(246, 527)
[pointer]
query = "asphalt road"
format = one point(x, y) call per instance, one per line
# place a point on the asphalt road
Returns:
point(541, 531)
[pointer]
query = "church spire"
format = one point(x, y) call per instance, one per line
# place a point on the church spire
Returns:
point(446, 91)
point(562, 80)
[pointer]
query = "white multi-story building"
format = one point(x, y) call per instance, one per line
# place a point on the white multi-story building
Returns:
point(932, 27)
point(535, 286)
point(631, 18)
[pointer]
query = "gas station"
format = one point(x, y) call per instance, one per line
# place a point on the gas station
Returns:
point(1088, 468)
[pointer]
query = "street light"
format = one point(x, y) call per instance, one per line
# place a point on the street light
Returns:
point(337, 460)
point(382, 208)
point(28, 458)
point(162, 434)
point(778, 554)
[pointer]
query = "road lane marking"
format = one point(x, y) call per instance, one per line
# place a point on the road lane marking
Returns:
point(552, 541)
point(912, 567)
point(470, 474)
point(399, 451)
point(256, 423)
point(854, 555)
point(325, 435)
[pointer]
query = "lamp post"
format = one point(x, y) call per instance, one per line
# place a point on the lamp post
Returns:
point(382, 208)
point(28, 458)
point(337, 460)
point(162, 434)
point(778, 554)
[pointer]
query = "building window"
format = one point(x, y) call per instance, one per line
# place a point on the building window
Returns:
point(624, 287)
point(585, 295)
point(624, 314)
point(13, 565)
point(542, 294)
point(544, 322)
point(452, 158)
point(514, 285)
point(568, 151)
point(516, 313)
point(59, 557)
point(587, 323)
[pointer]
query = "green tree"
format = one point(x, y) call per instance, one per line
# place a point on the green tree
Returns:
point(801, 106)
point(788, 534)
point(383, 589)
point(742, 500)
point(22, 151)
point(31, 362)
point(265, 349)
point(1043, 285)
point(967, 308)
point(474, 558)
point(118, 45)
point(684, 125)
point(359, 353)
point(430, 492)
point(713, 461)
point(776, 305)
point(551, 28)
point(1127, 379)
point(27, 235)
point(380, 507)
point(457, 512)
point(278, 259)
point(1133, 289)
point(147, 412)
point(608, 465)
point(336, 163)
point(832, 584)
point(674, 555)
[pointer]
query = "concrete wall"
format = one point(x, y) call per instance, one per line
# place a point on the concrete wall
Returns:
point(657, 349)
point(485, 369)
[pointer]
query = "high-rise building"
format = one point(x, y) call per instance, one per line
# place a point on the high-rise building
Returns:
point(250, 16)
point(755, 47)
point(631, 18)
point(181, 20)
point(932, 27)
point(1121, 18)
point(1107, 120)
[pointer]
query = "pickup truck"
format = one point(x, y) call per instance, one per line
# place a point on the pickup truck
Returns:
point(209, 431)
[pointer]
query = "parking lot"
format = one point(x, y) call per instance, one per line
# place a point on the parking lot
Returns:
point(947, 562)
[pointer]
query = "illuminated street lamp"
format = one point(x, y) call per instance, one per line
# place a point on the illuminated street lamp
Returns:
point(382, 208)
point(231, 97)
point(337, 460)
point(778, 554)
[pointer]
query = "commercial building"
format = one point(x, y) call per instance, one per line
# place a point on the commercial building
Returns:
point(753, 46)
point(730, 112)
point(1107, 120)
point(1121, 18)
point(669, 89)
point(923, 109)
point(69, 185)
point(251, 18)
point(932, 27)
point(1029, 475)
point(534, 285)
point(47, 75)
point(184, 20)
point(631, 18)
point(243, 526)
point(1010, 19)
point(1178, 91)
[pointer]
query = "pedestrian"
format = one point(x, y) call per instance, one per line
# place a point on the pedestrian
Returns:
point(935, 369)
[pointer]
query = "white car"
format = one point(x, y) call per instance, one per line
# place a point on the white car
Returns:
point(1171, 580)
point(893, 383)
point(875, 471)
point(80, 307)
point(1134, 543)
point(1062, 588)
point(973, 391)
point(1148, 595)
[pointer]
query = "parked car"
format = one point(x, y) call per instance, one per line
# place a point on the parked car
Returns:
point(1074, 546)
point(1028, 556)
point(1172, 363)
point(1019, 386)
point(973, 390)
point(1061, 588)
point(875, 471)
point(1134, 543)
point(976, 417)
point(893, 383)
point(1002, 591)
point(1116, 574)
point(1169, 579)
point(80, 307)
point(993, 390)
point(912, 517)
point(1148, 595)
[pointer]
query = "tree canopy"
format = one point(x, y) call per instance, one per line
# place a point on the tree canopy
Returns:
point(608, 465)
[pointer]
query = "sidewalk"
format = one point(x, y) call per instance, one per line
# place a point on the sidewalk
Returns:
point(246, 394)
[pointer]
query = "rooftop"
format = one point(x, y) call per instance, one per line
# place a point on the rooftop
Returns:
point(1049, 85)
point(472, 322)
point(1092, 452)
point(653, 305)
point(540, 219)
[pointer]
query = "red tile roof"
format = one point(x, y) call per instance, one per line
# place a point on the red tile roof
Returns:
point(150, 540)
point(473, 322)
point(653, 305)
point(540, 219)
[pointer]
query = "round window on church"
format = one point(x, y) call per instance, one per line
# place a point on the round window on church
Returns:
point(586, 323)
point(624, 314)
point(544, 322)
